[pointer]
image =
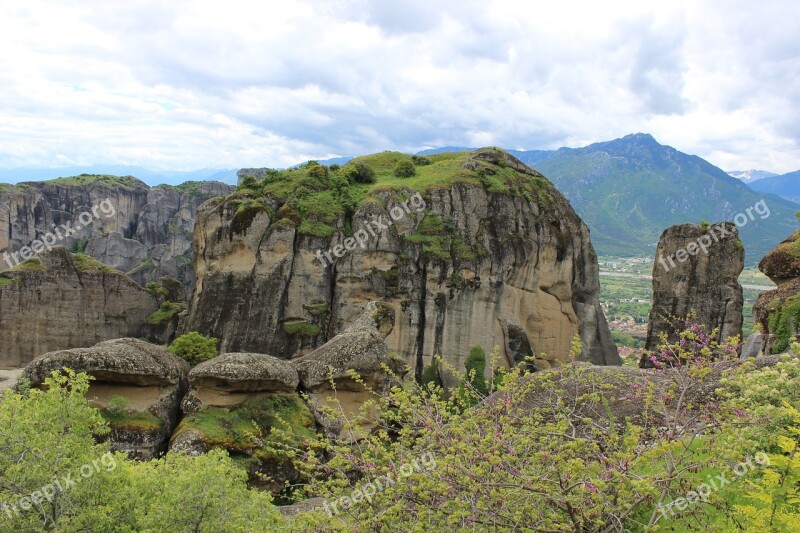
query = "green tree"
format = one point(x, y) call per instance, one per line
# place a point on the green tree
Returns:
point(405, 169)
point(194, 348)
point(360, 172)
point(248, 182)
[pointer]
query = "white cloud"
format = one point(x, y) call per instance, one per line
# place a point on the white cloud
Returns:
point(194, 84)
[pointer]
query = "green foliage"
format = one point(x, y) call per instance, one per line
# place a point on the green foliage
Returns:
point(476, 369)
point(194, 348)
point(165, 313)
point(85, 263)
point(247, 183)
point(430, 376)
point(305, 329)
point(360, 172)
point(781, 321)
point(87, 179)
point(623, 339)
point(79, 247)
point(118, 405)
point(156, 289)
point(6, 281)
point(30, 265)
point(51, 432)
point(421, 161)
point(405, 169)
point(247, 429)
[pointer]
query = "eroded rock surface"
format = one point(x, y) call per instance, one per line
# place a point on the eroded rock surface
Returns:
point(506, 258)
point(705, 282)
point(149, 377)
point(143, 231)
point(61, 301)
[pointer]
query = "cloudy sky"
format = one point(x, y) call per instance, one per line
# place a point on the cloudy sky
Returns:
point(178, 85)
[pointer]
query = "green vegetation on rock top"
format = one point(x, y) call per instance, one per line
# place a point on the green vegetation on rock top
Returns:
point(242, 428)
point(320, 200)
point(85, 263)
point(86, 179)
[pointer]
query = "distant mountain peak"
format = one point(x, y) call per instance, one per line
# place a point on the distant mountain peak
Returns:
point(641, 137)
point(749, 176)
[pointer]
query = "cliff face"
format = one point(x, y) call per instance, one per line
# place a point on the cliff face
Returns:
point(697, 269)
point(146, 232)
point(778, 311)
point(493, 255)
point(60, 301)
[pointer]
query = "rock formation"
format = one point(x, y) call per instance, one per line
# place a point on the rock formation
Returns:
point(493, 256)
point(234, 378)
point(61, 301)
point(235, 402)
point(147, 234)
point(697, 269)
point(325, 373)
point(777, 312)
point(149, 377)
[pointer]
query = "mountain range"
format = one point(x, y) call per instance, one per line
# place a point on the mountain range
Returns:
point(749, 176)
point(786, 185)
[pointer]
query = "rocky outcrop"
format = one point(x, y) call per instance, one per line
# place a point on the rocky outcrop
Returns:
point(61, 301)
point(697, 270)
point(777, 312)
point(236, 401)
point(752, 346)
point(477, 264)
point(144, 231)
point(326, 373)
point(234, 378)
point(148, 377)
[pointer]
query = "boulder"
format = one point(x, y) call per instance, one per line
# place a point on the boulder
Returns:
point(325, 373)
point(783, 263)
point(149, 377)
point(752, 346)
point(234, 378)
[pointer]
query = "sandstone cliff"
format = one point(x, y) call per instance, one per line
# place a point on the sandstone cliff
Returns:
point(147, 234)
point(697, 269)
point(61, 301)
point(495, 256)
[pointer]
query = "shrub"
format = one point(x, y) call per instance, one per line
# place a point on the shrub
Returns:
point(194, 348)
point(405, 169)
point(315, 170)
point(420, 160)
point(248, 182)
point(476, 368)
point(360, 172)
point(431, 375)
point(118, 405)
